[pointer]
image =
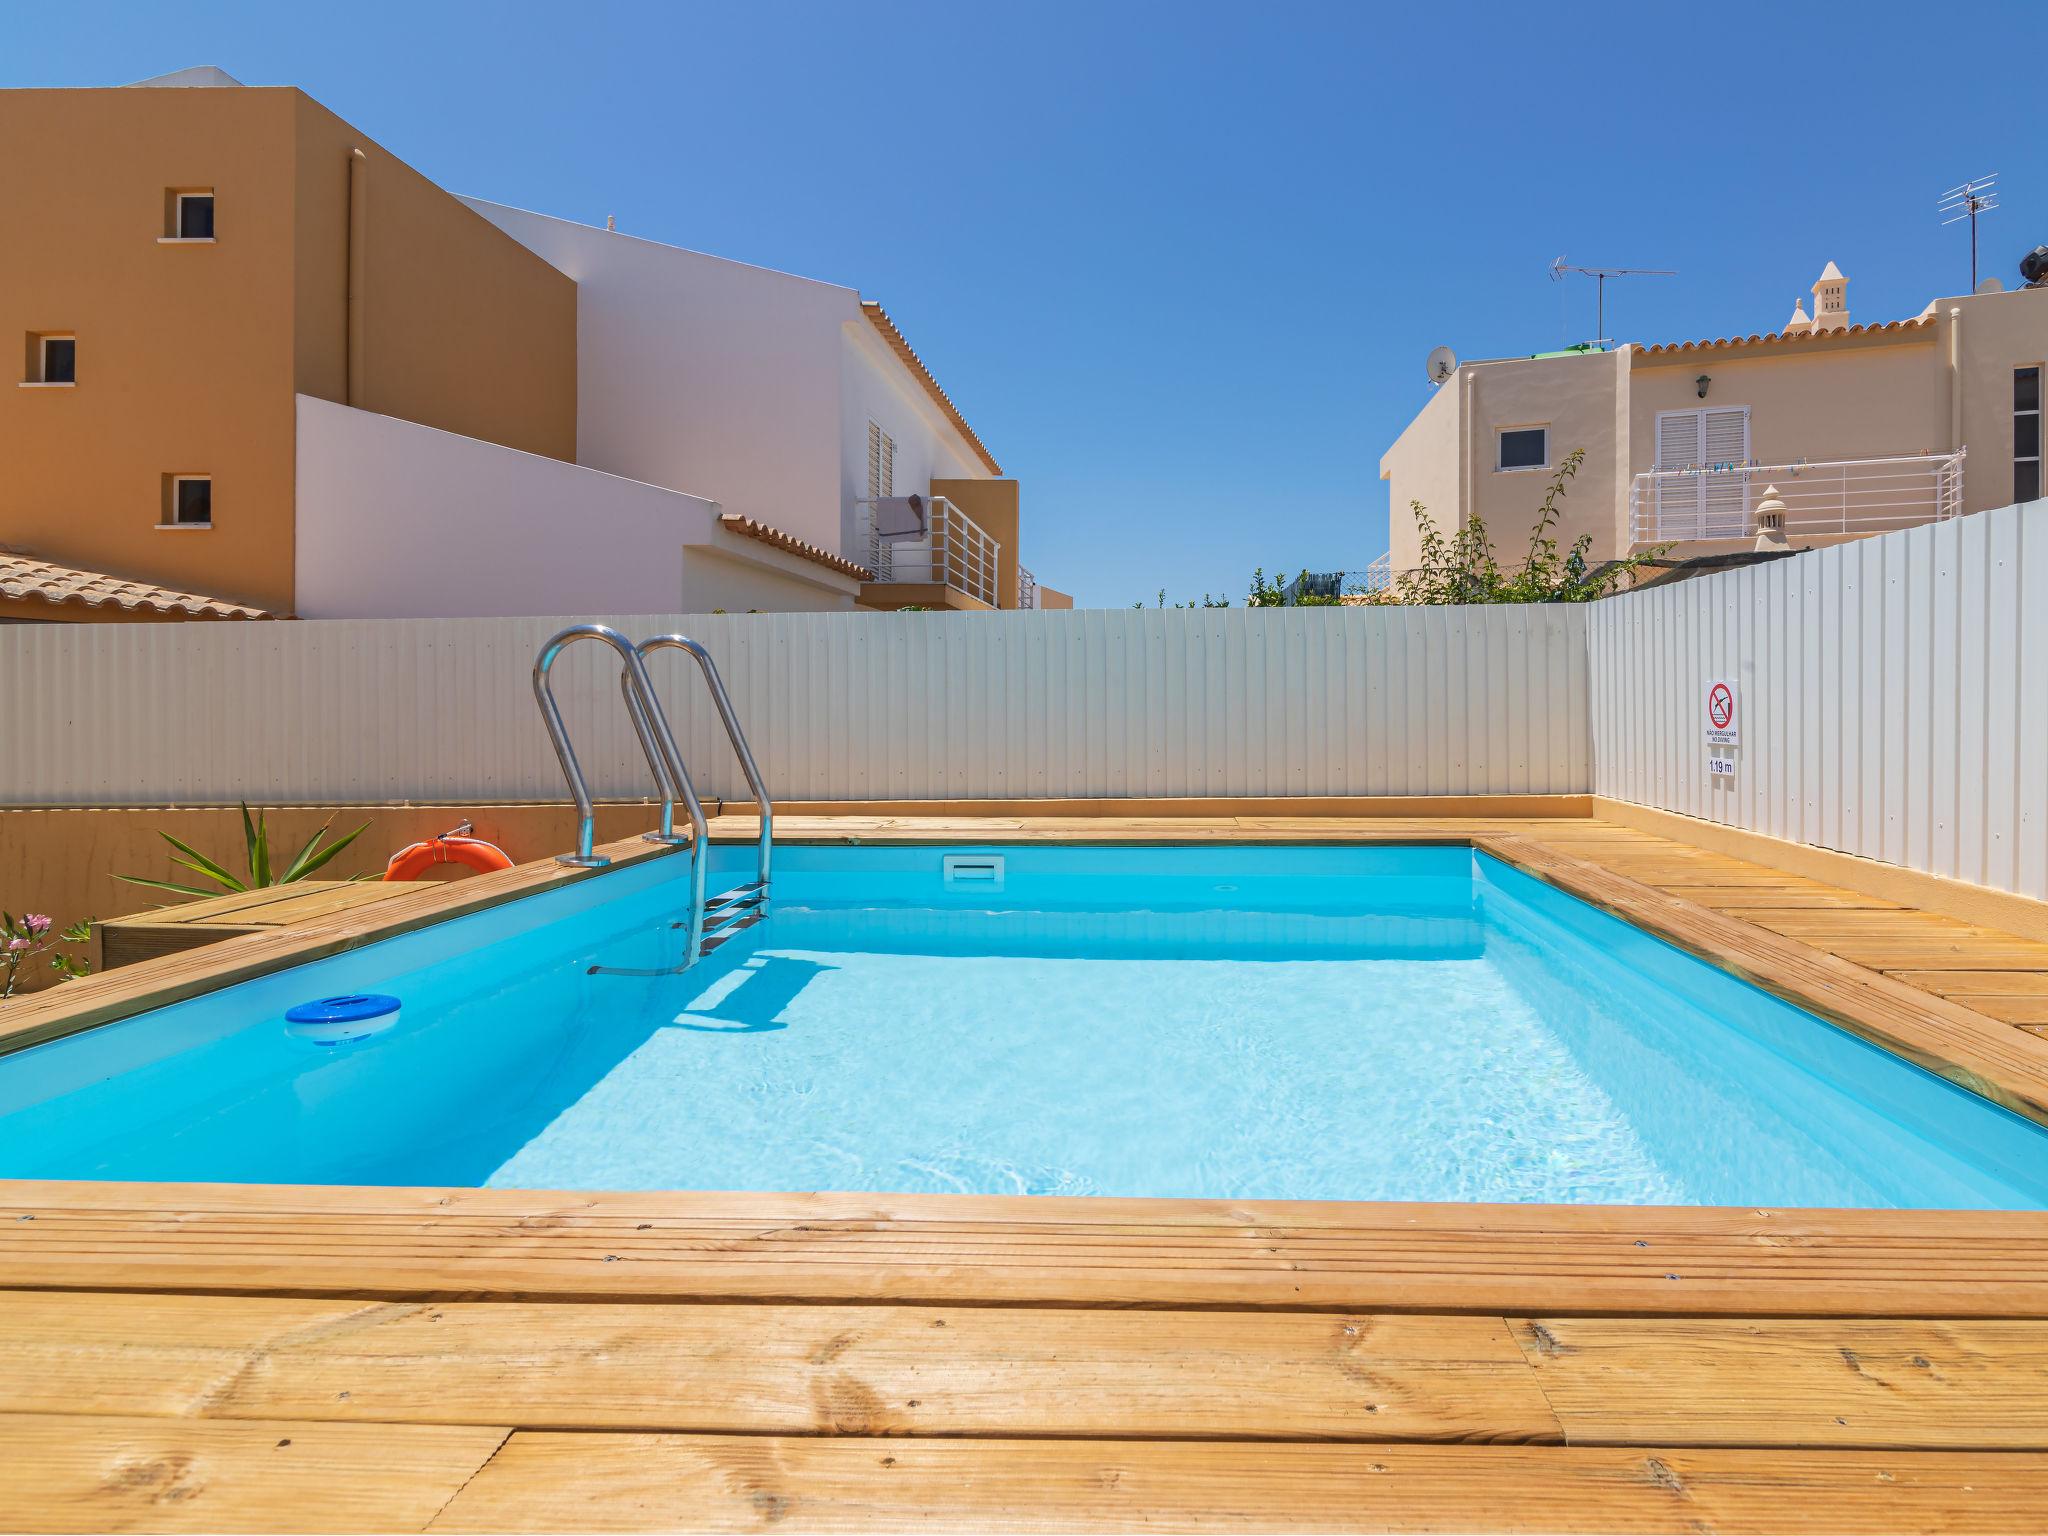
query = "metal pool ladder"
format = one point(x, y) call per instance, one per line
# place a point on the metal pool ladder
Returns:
point(710, 922)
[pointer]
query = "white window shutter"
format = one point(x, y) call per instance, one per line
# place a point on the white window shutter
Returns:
point(1725, 434)
point(1680, 445)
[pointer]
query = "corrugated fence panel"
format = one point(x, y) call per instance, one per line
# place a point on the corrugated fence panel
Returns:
point(1892, 695)
point(839, 706)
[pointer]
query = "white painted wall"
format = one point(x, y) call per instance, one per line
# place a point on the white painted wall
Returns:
point(837, 705)
point(875, 386)
point(397, 520)
point(736, 575)
point(1892, 695)
point(701, 374)
point(745, 385)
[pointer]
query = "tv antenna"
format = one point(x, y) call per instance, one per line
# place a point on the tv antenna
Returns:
point(1559, 267)
point(1966, 202)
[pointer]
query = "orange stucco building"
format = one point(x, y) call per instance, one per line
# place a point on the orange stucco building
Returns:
point(210, 254)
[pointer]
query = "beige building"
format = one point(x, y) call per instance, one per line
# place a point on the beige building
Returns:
point(267, 369)
point(1818, 432)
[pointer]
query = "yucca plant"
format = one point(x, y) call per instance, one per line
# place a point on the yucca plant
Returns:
point(256, 854)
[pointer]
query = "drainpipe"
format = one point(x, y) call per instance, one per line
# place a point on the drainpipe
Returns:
point(1955, 378)
point(358, 274)
point(1468, 470)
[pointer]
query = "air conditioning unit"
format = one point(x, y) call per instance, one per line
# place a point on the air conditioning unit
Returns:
point(900, 517)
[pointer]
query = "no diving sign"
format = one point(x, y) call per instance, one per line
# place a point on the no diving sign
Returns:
point(1723, 730)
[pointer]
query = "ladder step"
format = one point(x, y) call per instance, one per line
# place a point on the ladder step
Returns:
point(720, 909)
point(711, 941)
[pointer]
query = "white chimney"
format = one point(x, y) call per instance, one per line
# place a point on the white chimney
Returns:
point(1831, 300)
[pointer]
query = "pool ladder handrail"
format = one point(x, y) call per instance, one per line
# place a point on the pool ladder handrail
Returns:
point(711, 923)
point(650, 725)
point(743, 905)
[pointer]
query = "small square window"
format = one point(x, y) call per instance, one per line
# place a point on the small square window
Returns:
point(56, 360)
point(188, 501)
point(2026, 389)
point(1524, 447)
point(195, 216)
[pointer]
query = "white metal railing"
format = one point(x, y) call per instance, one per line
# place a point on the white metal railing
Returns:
point(956, 551)
point(1027, 588)
point(1379, 575)
point(1840, 496)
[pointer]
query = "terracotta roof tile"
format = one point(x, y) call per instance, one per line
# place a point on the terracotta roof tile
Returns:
point(63, 585)
point(881, 321)
point(1796, 338)
point(746, 527)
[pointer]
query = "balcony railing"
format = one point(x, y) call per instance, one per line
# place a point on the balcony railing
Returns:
point(955, 551)
point(1839, 497)
point(1027, 588)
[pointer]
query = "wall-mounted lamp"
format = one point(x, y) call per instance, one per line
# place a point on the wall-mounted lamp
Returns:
point(1703, 381)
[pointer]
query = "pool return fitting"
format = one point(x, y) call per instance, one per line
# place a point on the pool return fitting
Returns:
point(710, 923)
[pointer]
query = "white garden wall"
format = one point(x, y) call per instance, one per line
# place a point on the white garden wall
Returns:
point(838, 706)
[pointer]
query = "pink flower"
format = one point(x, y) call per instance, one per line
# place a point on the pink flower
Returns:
point(37, 924)
point(16, 944)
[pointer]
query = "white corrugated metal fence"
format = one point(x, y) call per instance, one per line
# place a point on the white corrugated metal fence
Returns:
point(1892, 697)
point(838, 706)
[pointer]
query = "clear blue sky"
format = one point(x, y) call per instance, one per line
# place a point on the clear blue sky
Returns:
point(1180, 263)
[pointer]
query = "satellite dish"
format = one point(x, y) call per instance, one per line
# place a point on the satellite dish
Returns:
point(1991, 285)
point(1443, 362)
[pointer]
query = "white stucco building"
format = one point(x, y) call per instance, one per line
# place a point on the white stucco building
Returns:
point(788, 402)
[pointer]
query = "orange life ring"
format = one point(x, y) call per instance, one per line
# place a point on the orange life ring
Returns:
point(411, 863)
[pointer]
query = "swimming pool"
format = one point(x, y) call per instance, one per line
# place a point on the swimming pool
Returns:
point(1368, 1023)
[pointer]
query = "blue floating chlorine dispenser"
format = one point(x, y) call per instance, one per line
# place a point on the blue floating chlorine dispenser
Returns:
point(342, 1020)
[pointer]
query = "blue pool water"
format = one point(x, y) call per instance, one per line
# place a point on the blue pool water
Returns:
point(1236, 1022)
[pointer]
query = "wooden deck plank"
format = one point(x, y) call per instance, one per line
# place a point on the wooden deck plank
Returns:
point(1976, 983)
point(187, 925)
point(547, 1482)
point(1738, 898)
point(66, 1472)
point(2012, 1010)
point(234, 904)
point(400, 1244)
point(1899, 931)
point(1931, 1385)
point(874, 1370)
point(1883, 954)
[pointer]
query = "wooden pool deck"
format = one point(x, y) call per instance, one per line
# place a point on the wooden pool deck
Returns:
point(217, 1357)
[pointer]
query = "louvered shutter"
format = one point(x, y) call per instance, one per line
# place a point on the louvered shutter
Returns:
point(1681, 445)
point(1713, 503)
point(1725, 502)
